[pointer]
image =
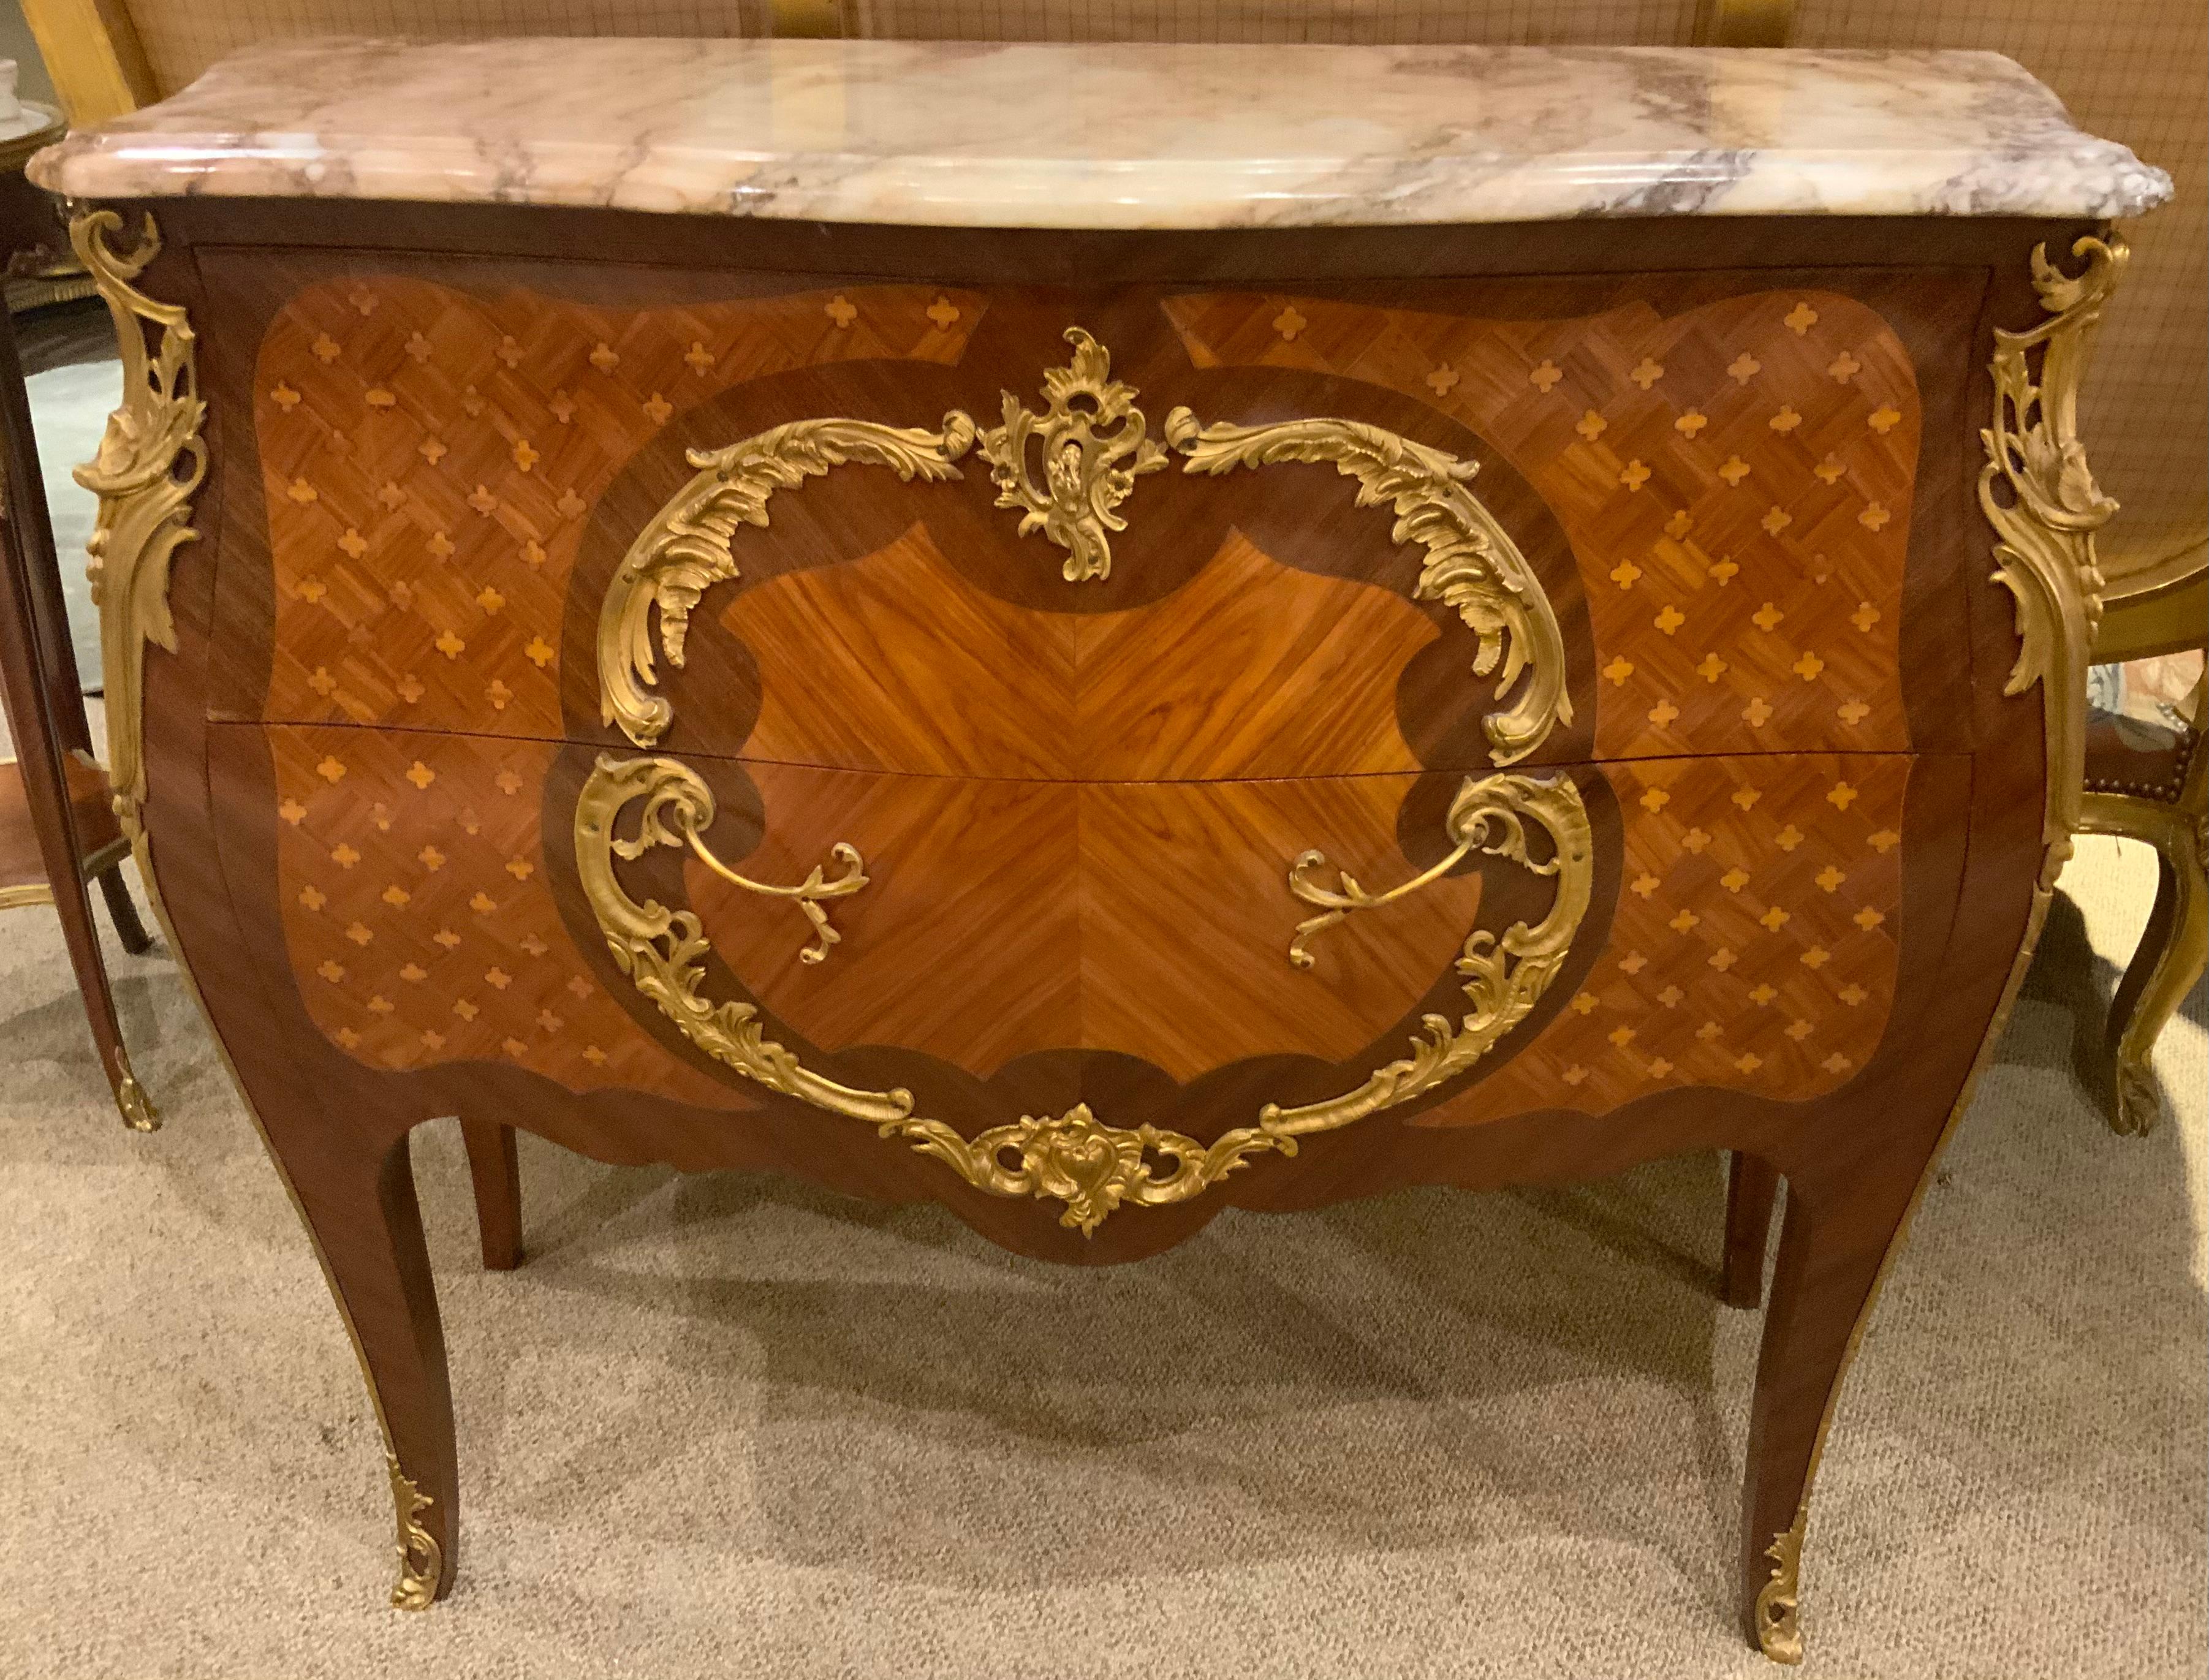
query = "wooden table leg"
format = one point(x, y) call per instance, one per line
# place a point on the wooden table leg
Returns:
point(1840, 1226)
point(496, 1171)
point(362, 1211)
point(1752, 1184)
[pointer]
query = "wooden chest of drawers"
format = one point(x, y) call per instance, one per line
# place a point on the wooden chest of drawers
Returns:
point(1095, 728)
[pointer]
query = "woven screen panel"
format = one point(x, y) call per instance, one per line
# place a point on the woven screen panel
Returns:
point(182, 38)
point(2138, 71)
point(1344, 22)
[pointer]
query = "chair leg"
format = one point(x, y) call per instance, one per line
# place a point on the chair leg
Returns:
point(2162, 971)
point(2171, 954)
point(495, 1170)
point(124, 913)
point(1752, 1184)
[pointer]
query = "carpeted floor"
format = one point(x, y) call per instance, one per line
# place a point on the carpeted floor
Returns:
point(733, 1426)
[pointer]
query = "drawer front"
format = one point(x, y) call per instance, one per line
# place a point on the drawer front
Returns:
point(1483, 522)
point(435, 910)
point(987, 952)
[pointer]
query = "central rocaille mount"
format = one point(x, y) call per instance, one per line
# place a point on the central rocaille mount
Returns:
point(1472, 566)
point(1087, 449)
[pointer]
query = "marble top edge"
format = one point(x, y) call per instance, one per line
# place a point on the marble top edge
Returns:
point(1116, 137)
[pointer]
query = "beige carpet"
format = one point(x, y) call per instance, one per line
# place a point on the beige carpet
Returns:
point(731, 1426)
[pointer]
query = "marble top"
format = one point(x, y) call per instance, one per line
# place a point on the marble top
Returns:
point(968, 134)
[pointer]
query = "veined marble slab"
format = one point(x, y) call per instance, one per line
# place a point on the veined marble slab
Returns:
point(969, 135)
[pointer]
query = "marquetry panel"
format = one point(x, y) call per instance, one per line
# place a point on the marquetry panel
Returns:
point(1153, 919)
point(429, 456)
point(1251, 669)
point(1077, 825)
point(419, 921)
point(1753, 947)
point(1735, 480)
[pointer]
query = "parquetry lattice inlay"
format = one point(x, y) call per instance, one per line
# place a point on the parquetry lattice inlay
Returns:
point(1754, 945)
point(420, 923)
point(429, 457)
point(1735, 482)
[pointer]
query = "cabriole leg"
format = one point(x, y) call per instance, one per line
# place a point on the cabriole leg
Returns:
point(360, 1206)
point(1839, 1229)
